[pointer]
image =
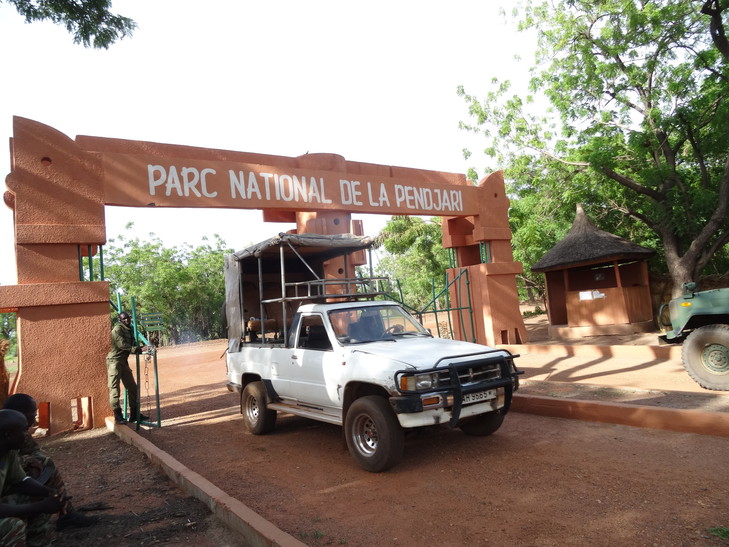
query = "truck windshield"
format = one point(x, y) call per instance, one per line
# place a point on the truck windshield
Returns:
point(368, 324)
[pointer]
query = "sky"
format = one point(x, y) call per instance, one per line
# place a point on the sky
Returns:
point(374, 82)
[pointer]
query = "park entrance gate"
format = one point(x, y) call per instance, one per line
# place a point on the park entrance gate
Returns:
point(58, 188)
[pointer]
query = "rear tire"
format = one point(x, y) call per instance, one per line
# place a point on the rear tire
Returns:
point(374, 436)
point(705, 356)
point(258, 417)
point(483, 424)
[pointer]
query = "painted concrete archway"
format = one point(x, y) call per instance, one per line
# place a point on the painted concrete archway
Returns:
point(58, 188)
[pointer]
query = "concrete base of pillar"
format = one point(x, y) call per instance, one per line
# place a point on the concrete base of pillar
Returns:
point(566, 332)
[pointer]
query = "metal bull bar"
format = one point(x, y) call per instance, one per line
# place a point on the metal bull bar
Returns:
point(509, 377)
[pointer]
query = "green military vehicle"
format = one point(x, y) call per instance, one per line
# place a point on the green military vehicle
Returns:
point(701, 321)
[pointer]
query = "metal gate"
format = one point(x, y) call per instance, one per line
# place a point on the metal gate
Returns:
point(449, 304)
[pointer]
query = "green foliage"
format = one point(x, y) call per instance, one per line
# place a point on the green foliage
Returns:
point(416, 257)
point(636, 131)
point(720, 531)
point(8, 331)
point(184, 284)
point(90, 22)
point(537, 311)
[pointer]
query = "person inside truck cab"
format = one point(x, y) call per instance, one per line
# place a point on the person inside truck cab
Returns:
point(313, 334)
point(369, 327)
point(318, 338)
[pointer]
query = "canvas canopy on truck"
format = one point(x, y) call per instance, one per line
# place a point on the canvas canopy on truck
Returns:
point(264, 281)
point(322, 247)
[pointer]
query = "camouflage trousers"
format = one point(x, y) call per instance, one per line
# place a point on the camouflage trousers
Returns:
point(118, 372)
point(35, 531)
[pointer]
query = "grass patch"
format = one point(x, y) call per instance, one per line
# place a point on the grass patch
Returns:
point(537, 311)
point(315, 535)
point(720, 531)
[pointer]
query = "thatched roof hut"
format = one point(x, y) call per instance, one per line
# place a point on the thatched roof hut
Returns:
point(587, 244)
point(597, 283)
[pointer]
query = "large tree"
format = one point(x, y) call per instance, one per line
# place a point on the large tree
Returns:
point(90, 22)
point(639, 92)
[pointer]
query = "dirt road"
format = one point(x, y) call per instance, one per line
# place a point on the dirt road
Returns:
point(537, 481)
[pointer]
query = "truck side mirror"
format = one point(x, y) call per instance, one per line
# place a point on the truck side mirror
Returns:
point(688, 288)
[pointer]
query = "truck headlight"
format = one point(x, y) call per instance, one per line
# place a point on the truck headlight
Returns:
point(419, 382)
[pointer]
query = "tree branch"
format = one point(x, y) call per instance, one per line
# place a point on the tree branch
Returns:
point(630, 183)
point(558, 159)
point(697, 151)
point(705, 65)
point(638, 216)
point(709, 251)
point(713, 9)
point(718, 218)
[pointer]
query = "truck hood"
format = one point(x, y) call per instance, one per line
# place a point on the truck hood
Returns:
point(420, 353)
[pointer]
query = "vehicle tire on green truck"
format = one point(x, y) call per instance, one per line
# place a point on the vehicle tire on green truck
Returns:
point(700, 320)
point(705, 356)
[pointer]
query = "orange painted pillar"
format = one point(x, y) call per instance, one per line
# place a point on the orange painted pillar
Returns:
point(496, 318)
point(330, 222)
point(63, 323)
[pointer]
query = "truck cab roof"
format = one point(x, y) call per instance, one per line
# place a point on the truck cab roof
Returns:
point(329, 306)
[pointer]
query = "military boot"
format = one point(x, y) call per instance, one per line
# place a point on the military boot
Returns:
point(134, 417)
point(118, 416)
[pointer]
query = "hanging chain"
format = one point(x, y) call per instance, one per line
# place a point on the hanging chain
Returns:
point(147, 359)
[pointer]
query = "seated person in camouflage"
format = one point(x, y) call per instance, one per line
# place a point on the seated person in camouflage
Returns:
point(26, 505)
point(39, 465)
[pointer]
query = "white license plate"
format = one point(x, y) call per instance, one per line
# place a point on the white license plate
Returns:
point(478, 396)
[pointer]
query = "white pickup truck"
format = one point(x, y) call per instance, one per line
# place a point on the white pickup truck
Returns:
point(366, 365)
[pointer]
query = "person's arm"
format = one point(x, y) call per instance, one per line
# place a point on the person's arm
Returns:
point(118, 341)
point(51, 501)
point(31, 487)
point(49, 505)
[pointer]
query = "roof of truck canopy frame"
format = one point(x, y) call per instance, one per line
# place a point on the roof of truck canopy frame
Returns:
point(322, 246)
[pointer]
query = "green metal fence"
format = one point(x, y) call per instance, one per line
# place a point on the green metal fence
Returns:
point(443, 304)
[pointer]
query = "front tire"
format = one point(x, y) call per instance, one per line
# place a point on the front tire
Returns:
point(258, 417)
point(483, 424)
point(705, 356)
point(374, 436)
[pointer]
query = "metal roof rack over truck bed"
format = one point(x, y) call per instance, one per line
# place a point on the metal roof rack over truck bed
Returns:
point(288, 269)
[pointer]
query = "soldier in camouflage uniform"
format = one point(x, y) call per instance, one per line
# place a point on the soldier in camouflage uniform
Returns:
point(123, 345)
point(39, 465)
point(26, 506)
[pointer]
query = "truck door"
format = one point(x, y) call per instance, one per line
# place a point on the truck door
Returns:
point(312, 354)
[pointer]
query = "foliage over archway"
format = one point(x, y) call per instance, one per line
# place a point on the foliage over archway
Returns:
point(637, 131)
point(90, 22)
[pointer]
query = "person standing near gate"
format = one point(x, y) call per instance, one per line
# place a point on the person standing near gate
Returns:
point(117, 366)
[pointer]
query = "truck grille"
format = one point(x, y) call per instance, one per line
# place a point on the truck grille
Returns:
point(470, 374)
point(455, 378)
point(460, 374)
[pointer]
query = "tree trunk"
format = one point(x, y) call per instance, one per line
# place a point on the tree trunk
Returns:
point(682, 269)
